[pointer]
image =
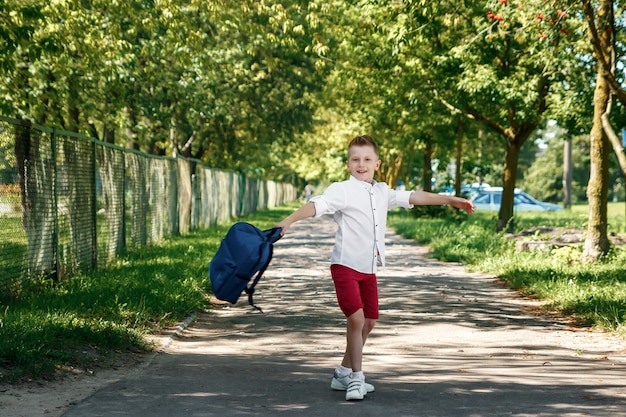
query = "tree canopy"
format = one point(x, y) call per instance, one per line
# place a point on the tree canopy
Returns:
point(277, 88)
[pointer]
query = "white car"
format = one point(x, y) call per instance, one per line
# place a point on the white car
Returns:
point(489, 198)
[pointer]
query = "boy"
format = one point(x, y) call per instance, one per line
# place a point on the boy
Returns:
point(360, 207)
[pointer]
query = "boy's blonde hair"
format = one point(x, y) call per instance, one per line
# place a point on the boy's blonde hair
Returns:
point(363, 140)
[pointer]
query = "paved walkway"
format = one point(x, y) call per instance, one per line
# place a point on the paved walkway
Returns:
point(449, 343)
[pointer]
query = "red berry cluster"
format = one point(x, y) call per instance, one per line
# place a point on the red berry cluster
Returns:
point(495, 17)
point(560, 16)
point(555, 19)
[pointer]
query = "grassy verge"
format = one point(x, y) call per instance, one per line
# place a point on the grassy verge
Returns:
point(593, 294)
point(80, 322)
point(84, 321)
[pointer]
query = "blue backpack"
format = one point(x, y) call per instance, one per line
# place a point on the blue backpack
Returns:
point(244, 252)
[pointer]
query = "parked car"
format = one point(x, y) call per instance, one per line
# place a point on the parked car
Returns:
point(489, 198)
point(467, 191)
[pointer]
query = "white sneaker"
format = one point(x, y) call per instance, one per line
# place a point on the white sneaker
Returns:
point(356, 390)
point(341, 384)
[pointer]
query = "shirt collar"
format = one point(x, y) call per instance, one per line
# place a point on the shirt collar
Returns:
point(364, 184)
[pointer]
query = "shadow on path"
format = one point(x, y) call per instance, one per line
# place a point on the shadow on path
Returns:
point(449, 343)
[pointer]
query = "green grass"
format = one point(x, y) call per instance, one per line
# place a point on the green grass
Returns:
point(89, 318)
point(593, 294)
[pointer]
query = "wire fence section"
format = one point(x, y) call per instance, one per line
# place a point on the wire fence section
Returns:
point(70, 203)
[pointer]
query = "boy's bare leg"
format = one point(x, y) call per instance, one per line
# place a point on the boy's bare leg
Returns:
point(367, 329)
point(358, 329)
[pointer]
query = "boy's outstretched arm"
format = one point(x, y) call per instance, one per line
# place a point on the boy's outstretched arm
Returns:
point(424, 198)
point(304, 212)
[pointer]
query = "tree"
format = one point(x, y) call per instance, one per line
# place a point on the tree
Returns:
point(602, 34)
point(545, 175)
point(492, 61)
point(214, 80)
point(375, 86)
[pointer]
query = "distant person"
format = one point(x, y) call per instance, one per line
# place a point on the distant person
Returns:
point(360, 207)
point(308, 191)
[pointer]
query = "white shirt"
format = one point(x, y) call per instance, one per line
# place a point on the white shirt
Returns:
point(361, 213)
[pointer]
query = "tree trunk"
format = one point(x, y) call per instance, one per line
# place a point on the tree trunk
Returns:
point(78, 166)
point(111, 168)
point(505, 216)
point(567, 173)
point(389, 170)
point(108, 134)
point(515, 135)
point(35, 164)
point(183, 180)
point(597, 244)
point(158, 201)
point(427, 172)
point(139, 203)
point(615, 141)
point(22, 156)
point(173, 138)
point(130, 123)
point(22, 138)
point(459, 157)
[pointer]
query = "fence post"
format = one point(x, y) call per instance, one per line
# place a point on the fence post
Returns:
point(94, 211)
point(172, 197)
point(123, 201)
point(55, 196)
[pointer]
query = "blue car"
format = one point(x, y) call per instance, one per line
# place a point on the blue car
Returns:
point(490, 198)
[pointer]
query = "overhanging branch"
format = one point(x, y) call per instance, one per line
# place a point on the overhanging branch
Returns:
point(605, 62)
point(618, 148)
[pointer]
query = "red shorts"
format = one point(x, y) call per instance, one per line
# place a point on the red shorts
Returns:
point(355, 290)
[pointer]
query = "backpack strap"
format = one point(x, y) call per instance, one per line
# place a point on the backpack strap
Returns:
point(250, 289)
point(273, 235)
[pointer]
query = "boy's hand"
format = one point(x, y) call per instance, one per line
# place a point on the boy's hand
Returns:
point(463, 204)
point(283, 227)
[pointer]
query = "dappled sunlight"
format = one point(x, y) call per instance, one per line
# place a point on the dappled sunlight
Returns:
point(448, 343)
point(440, 327)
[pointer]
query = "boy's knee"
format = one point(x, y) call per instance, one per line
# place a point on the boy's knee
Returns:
point(357, 318)
point(368, 326)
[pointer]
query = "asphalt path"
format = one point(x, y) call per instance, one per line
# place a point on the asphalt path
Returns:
point(448, 343)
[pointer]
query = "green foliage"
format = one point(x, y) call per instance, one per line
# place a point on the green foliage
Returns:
point(39, 343)
point(320, 154)
point(544, 177)
point(209, 79)
point(279, 87)
point(439, 212)
point(450, 239)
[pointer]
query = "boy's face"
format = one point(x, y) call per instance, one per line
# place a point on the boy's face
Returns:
point(363, 162)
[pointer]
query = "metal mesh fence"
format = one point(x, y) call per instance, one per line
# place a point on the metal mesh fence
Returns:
point(71, 203)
